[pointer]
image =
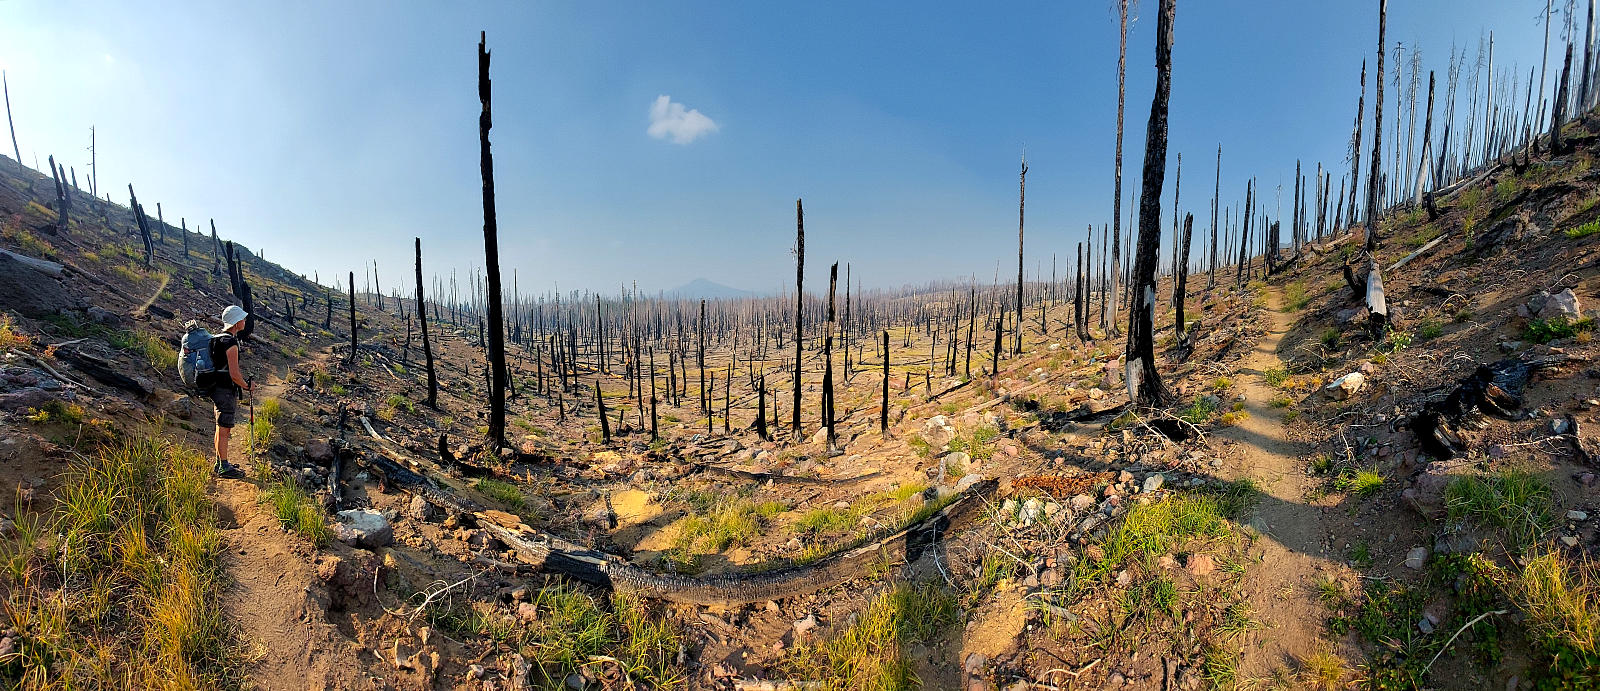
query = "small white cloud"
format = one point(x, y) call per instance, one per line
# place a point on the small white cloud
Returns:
point(674, 121)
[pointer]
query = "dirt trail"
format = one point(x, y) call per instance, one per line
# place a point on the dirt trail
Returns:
point(1279, 587)
point(274, 596)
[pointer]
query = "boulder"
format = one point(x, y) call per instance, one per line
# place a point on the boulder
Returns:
point(364, 528)
point(1426, 493)
point(1346, 386)
point(349, 580)
point(319, 452)
point(32, 398)
point(111, 319)
point(1562, 304)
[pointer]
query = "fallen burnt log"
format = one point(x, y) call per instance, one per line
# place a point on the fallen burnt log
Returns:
point(779, 478)
point(1493, 389)
point(552, 554)
point(103, 372)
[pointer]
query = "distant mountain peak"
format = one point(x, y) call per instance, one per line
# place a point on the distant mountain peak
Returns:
point(705, 288)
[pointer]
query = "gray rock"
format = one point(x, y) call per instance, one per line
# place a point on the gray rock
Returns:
point(1082, 502)
point(1346, 386)
point(104, 317)
point(1569, 540)
point(1416, 557)
point(421, 510)
point(1576, 515)
point(364, 528)
point(319, 452)
point(1154, 482)
point(1562, 304)
point(1424, 625)
point(967, 481)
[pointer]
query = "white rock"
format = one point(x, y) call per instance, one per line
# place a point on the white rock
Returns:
point(1154, 482)
point(364, 528)
point(1346, 386)
point(804, 625)
point(1569, 540)
point(1576, 515)
point(968, 480)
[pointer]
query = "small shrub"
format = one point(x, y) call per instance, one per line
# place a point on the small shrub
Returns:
point(398, 403)
point(1275, 377)
point(1583, 231)
point(1330, 337)
point(10, 337)
point(60, 412)
point(1547, 330)
point(1199, 412)
point(1281, 401)
point(1429, 330)
point(1234, 418)
point(1222, 384)
point(1397, 341)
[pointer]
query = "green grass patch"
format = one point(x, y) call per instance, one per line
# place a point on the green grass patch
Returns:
point(870, 653)
point(503, 492)
point(1515, 503)
point(121, 585)
point(1295, 296)
point(296, 512)
point(728, 524)
point(1275, 376)
point(1362, 483)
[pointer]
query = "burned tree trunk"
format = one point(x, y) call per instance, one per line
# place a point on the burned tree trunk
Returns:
point(799, 305)
point(1377, 304)
point(600, 404)
point(427, 348)
point(1022, 196)
point(654, 433)
point(827, 350)
point(9, 123)
point(491, 253)
point(1108, 314)
point(1144, 382)
point(64, 201)
point(184, 224)
point(1181, 280)
point(1559, 110)
point(216, 249)
point(1374, 180)
point(883, 415)
point(1355, 149)
point(1427, 155)
point(1216, 201)
point(352, 318)
point(144, 228)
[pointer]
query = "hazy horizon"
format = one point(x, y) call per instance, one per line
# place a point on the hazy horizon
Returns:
point(662, 144)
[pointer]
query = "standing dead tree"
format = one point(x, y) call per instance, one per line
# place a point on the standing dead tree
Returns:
point(1374, 179)
point(63, 199)
point(491, 255)
point(799, 306)
point(883, 414)
point(1144, 381)
point(352, 360)
point(1022, 197)
point(1180, 281)
point(144, 228)
point(1108, 312)
point(1558, 111)
point(1355, 148)
point(427, 348)
point(827, 350)
point(9, 123)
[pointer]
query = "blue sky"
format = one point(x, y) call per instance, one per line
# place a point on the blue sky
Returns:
point(330, 134)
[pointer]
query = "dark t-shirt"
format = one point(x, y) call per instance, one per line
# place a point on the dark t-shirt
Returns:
point(219, 359)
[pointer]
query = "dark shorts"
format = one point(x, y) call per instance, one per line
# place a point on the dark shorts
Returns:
point(227, 401)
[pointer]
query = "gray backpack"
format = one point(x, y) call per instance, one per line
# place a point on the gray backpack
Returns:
point(195, 366)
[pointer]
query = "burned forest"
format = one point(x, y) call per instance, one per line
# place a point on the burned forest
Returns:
point(1343, 439)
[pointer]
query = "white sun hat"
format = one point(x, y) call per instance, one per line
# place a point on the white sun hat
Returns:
point(232, 315)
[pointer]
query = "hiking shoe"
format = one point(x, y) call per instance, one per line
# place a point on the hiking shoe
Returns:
point(229, 471)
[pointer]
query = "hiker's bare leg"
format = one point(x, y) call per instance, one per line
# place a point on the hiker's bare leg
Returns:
point(220, 440)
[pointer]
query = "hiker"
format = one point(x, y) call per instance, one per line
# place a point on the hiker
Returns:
point(226, 382)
